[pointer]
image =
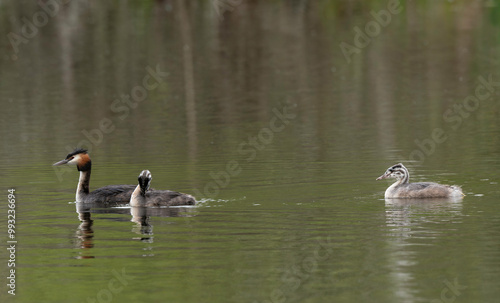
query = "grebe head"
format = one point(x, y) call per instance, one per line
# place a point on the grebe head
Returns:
point(397, 171)
point(144, 180)
point(78, 157)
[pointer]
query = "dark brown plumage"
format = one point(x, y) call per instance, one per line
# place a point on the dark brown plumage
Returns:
point(111, 194)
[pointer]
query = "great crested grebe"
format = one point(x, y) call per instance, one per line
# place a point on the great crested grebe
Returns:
point(142, 196)
point(403, 189)
point(103, 195)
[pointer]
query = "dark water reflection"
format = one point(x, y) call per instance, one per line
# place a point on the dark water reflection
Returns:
point(141, 216)
point(257, 112)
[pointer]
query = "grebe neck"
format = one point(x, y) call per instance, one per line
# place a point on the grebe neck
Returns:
point(83, 186)
point(84, 167)
point(405, 178)
point(138, 197)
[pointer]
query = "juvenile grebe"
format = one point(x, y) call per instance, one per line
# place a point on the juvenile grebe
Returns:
point(103, 195)
point(142, 196)
point(403, 189)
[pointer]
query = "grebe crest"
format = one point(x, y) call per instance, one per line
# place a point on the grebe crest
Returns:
point(103, 195)
point(78, 157)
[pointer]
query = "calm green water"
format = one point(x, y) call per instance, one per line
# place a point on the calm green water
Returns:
point(253, 108)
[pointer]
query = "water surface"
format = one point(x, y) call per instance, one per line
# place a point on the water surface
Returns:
point(255, 110)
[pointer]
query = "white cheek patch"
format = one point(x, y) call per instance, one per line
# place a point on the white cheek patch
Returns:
point(75, 160)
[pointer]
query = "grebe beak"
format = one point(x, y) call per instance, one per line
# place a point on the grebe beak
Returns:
point(61, 162)
point(379, 178)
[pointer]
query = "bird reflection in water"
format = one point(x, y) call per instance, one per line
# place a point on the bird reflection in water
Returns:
point(84, 233)
point(141, 216)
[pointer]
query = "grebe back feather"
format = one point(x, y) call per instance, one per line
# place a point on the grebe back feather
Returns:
point(402, 188)
point(143, 196)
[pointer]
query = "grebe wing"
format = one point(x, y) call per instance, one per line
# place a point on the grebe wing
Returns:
point(168, 198)
point(420, 185)
point(111, 194)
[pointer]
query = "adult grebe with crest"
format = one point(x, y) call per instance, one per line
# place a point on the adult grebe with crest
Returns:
point(103, 195)
point(118, 194)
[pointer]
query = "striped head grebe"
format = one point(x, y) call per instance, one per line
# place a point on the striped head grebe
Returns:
point(402, 188)
point(143, 196)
